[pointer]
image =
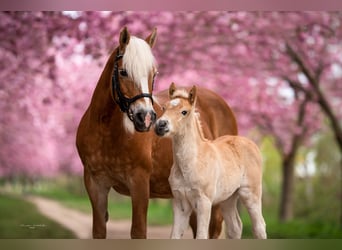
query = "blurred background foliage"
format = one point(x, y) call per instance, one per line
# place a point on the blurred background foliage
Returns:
point(280, 72)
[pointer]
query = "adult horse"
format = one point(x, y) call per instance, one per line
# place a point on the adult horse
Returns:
point(115, 143)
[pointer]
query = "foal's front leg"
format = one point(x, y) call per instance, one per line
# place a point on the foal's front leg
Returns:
point(203, 210)
point(181, 214)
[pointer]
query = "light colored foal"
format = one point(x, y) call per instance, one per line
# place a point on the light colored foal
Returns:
point(208, 172)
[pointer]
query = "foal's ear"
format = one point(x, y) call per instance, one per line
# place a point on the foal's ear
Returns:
point(172, 90)
point(192, 95)
point(124, 38)
point(151, 39)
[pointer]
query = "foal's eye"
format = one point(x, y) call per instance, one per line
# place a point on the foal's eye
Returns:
point(123, 73)
point(184, 112)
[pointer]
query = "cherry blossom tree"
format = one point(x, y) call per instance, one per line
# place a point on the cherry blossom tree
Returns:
point(277, 70)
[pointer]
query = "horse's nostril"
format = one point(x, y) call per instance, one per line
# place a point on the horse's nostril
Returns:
point(154, 116)
point(140, 116)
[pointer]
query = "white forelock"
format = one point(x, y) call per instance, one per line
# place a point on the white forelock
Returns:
point(138, 59)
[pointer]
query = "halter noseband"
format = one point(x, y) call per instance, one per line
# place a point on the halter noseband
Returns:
point(124, 102)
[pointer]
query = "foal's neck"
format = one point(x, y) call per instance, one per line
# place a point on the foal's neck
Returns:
point(187, 141)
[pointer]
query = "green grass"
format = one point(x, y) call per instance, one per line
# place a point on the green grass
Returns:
point(302, 228)
point(70, 192)
point(20, 219)
point(119, 206)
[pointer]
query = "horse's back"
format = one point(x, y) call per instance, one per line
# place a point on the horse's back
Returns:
point(219, 118)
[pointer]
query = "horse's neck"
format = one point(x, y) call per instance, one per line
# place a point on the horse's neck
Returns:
point(187, 142)
point(102, 102)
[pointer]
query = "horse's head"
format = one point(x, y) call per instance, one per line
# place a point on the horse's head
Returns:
point(177, 111)
point(133, 79)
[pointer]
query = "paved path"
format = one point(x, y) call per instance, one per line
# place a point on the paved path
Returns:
point(81, 223)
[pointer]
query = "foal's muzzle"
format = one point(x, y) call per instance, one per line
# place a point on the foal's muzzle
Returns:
point(143, 120)
point(161, 127)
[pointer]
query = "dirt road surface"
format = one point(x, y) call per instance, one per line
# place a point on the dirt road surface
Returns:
point(81, 223)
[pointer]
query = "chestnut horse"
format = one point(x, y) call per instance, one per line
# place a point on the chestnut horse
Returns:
point(207, 172)
point(115, 143)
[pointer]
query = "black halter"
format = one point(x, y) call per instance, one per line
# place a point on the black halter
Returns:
point(124, 102)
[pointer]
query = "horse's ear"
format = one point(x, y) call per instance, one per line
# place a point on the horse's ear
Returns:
point(172, 89)
point(193, 95)
point(124, 38)
point(151, 39)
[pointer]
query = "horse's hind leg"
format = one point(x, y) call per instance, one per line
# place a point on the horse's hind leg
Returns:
point(98, 195)
point(215, 226)
point(252, 201)
point(193, 223)
point(231, 217)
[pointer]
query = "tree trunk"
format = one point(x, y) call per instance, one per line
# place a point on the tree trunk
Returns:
point(286, 202)
point(288, 165)
point(322, 101)
point(341, 192)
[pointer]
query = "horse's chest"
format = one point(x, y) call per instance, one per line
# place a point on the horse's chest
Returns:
point(103, 155)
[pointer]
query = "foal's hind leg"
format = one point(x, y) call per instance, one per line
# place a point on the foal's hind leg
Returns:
point(98, 195)
point(252, 200)
point(231, 217)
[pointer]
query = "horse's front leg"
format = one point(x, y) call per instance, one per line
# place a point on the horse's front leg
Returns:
point(98, 194)
point(140, 194)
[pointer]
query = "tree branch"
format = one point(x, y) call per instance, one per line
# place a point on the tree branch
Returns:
point(321, 98)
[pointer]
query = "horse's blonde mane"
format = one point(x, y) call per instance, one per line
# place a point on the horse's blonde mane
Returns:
point(138, 59)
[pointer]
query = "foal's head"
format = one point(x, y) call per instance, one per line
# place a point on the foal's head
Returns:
point(177, 111)
point(133, 79)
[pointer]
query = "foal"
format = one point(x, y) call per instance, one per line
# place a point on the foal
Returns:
point(208, 172)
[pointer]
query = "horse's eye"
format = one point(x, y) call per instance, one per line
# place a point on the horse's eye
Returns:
point(184, 112)
point(123, 73)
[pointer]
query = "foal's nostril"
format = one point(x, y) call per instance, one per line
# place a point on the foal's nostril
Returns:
point(161, 127)
point(162, 124)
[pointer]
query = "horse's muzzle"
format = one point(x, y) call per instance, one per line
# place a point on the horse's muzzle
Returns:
point(143, 120)
point(161, 127)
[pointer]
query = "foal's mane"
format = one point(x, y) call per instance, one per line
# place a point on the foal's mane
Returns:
point(138, 59)
point(199, 124)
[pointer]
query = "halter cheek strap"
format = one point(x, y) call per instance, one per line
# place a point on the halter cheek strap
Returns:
point(124, 102)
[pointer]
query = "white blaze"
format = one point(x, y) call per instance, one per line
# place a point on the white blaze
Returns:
point(175, 102)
